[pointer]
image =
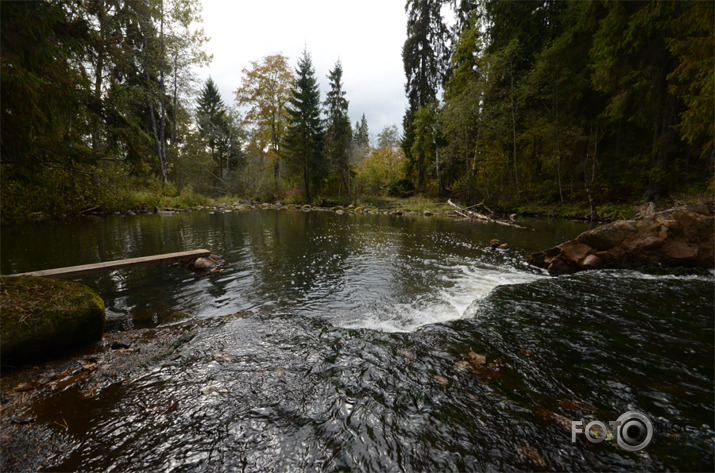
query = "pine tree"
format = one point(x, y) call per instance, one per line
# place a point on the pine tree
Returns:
point(338, 132)
point(303, 142)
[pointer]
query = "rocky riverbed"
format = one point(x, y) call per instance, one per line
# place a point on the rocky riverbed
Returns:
point(26, 442)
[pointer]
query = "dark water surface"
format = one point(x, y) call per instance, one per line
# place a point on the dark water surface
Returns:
point(351, 349)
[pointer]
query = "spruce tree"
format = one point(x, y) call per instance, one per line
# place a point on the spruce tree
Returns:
point(362, 134)
point(425, 57)
point(212, 121)
point(338, 131)
point(303, 143)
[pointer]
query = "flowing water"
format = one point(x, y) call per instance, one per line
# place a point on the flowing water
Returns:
point(352, 348)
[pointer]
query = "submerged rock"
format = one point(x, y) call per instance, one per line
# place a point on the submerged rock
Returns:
point(41, 317)
point(202, 264)
point(679, 237)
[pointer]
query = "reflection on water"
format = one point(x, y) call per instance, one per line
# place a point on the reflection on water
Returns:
point(351, 350)
point(386, 273)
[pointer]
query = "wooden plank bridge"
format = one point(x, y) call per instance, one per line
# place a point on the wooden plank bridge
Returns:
point(74, 271)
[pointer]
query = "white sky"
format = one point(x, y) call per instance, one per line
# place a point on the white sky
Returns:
point(366, 35)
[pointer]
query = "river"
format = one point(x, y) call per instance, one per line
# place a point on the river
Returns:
point(352, 348)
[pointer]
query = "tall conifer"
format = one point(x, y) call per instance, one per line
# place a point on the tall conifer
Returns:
point(338, 132)
point(303, 144)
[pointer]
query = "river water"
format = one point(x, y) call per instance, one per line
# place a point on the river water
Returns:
point(352, 348)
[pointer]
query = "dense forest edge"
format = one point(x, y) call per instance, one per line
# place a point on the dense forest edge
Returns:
point(573, 109)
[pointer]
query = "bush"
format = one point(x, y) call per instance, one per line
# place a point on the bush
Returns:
point(381, 168)
point(402, 188)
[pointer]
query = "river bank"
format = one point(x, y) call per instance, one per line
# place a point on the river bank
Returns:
point(144, 202)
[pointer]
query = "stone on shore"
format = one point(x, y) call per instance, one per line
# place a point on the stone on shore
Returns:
point(678, 237)
point(41, 317)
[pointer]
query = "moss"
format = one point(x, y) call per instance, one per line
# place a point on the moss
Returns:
point(41, 317)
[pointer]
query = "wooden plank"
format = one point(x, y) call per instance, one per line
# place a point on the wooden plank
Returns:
point(74, 271)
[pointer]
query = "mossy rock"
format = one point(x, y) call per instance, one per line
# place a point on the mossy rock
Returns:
point(41, 317)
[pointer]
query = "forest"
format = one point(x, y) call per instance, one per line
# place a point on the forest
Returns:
point(518, 105)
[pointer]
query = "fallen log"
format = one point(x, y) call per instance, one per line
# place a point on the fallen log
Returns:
point(479, 216)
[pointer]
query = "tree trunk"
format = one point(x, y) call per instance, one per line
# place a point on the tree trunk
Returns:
point(276, 147)
point(513, 128)
point(484, 166)
point(306, 180)
point(276, 172)
point(558, 143)
point(153, 126)
point(440, 184)
point(420, 172)
point(162, 102)
point(349, 189)
point(588, 183)
point(99, 67)
point(150, 102)
point(176, 91)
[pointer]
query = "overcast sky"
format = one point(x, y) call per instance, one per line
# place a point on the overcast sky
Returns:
point(366, 35)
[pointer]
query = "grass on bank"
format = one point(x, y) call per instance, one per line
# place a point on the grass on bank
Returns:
point(39, 203)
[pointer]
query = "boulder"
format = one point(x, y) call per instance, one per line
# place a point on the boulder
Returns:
point(42, 317)
point(202, 264)
point(678, 237)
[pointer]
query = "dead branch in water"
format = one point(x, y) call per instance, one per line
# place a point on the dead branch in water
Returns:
point(466, 213)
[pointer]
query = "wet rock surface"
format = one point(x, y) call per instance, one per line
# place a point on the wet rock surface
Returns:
point(678, 237)
point(35, 429)
point(209, 263)
point(280, 392)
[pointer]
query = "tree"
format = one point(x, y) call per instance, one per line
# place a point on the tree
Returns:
point(693, 79)
point(382, 168)
point(461, 118)
point(425, 147)
point(630, 63)
point(213, 123)
point(303, 141)
point(265, 90)
point(361, 138)
point(425, 54)
point(184, 42)
point(389, 136)
point(45, 100)
point(425, 57)
point(338, 131)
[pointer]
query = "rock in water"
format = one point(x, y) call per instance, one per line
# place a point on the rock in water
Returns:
point(202, 264)
point(679, 237)
point(41, 317)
